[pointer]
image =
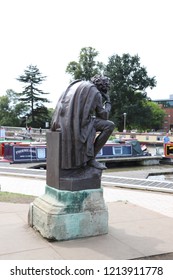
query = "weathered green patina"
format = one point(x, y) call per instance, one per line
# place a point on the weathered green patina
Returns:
point(65, 215)
point(73, 201)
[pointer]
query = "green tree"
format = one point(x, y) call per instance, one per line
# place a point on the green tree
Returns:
point(156, 118)
point(43, 115)
point(87, 66)
point(12, 112)
point(32, 95)
point(129, 81)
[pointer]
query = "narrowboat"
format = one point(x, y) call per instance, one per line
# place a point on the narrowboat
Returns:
point(122, 148)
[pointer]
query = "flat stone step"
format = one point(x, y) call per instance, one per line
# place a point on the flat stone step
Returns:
point(145, 184)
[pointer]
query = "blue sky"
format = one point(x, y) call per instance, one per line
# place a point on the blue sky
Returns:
point(51, 33)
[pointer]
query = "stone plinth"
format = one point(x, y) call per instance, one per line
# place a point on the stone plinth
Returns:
point(80, 179)
point(73, 205)
point(53, 159)
point(65, 215)
point(68, 179)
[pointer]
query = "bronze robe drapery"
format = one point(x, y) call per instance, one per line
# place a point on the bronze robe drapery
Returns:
point(74, 117)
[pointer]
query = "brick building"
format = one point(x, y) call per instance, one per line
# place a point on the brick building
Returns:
point(167, 106)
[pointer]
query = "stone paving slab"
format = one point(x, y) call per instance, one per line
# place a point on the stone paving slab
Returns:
point(140, 227)
point(134, 232)
point(159, 202)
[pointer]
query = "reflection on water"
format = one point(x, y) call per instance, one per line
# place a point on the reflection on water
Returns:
point(157, 168)
point(163, 177)
point(149, 168)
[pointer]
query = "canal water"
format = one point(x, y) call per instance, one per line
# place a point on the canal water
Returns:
point(164, 171)
point(155, 150)
point(159, 150)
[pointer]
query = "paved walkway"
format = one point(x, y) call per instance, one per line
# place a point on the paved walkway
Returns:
point(140, 226)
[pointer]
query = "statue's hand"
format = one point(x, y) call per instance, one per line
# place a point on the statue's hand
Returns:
point(106, 97)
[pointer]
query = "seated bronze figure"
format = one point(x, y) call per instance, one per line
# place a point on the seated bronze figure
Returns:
point(82, 115)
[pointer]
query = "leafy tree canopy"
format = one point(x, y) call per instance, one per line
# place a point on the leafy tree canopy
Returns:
point(129, 81)
point(87, 66)
point(156, 117)
point(12, 112)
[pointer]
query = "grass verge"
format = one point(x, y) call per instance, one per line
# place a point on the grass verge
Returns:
point(16, 197)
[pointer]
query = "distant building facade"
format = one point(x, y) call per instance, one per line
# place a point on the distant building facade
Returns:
point(167, 106)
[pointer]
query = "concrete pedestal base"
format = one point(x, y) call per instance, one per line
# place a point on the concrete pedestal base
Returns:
point(65, 215)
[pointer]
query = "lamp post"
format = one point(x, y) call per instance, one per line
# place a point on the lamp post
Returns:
point(125, 114)
point(26, 122)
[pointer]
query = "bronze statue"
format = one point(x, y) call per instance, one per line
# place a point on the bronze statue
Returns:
point(81, 112)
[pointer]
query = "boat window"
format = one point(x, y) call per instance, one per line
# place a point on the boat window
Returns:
point(122, 150)
point(127, 150)
point(41, 153)
point(117, 150)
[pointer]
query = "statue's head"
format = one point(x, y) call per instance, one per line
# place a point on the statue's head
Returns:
point(101, 82)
